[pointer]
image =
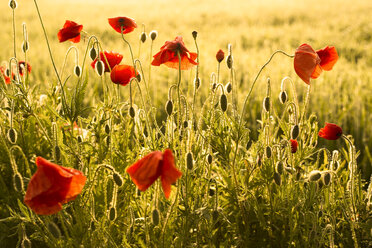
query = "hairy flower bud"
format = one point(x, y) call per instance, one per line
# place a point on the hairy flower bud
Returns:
point(93, 53)
point(12, 135)
point(314, 175)
point(132, 113)
point(266, 104)
point(209, 159)
point(155, 217)
point(197, 83)
point(194, 34)
point(295, 131)
point(189, 161)
point(229, 61)
point(169, 107)
point(117, 179)
point(143, 37)
point(25, 46)
point(223, 102)
point(77, 71)
point(100, 67)
point(112, 213)
point(12, 4)
point(279, 167)
point(228, 87)
point(326, 177)
point(107, 129)
point(268, 151)
point(18, 182)
point(277, 178)
point(54, 230)
point(283, 97)
point(153, 34)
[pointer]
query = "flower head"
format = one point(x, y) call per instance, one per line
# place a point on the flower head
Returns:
point(112, 59)
point(22, 66)
point(168, 55)
point(122, 74)
point(51, 186)
point(125, 23)
point(3, 75)
point(310, 64)
point(294, 145)
point(220, 55)
point(70, 31)
point(330, 132)
point(156, 164)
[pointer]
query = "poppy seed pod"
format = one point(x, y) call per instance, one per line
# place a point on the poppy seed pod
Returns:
point(12, 135)
point(229, 61)
point(153, 34)
point(77, 71)
point(132, 113)
point(143, 37)
point(100, 67)
point(25, 46)
point(194, 34)
point(189, 161)
point(169, 107)
point(117, 179)
point(26, 243)
point(209, 159)
point(277, 178)
point(228, 87)
point(18, 182)
point(155, 217)
point(54, 230)
point(112, 213)
point(314, 175)
point(93, 53)
point(266, 104)
point(295, 131)
point(12, 4)
point(197, 83)
point(283, 97)
point(326, 177)
point(223, 102)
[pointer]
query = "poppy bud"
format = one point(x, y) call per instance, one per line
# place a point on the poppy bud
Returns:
point(326, 177)
point(57, 153)
point(189, 161)
point(7, 72)
point(279, 167)
point(12, 135)
point(314, 175)
point(93, 53)
point(155, 217)
point(259, 162)
point(153, 34)
point(139, 77)
point(169, 107)
point(220, 56)
point(100, 67)
point(209, 159)
point(107, 128)
point(197, 83)
point(277, 178)
point(268, 151)
point(117, 179)
point(228, 87)
point(143, 37)
point(194, 34)
point(26, 243)
point(12, 4)
point(25, 46)
point(320, 184)
point(211, 191)
point(112, 213)
point(214, 86)
point(132, 113)
point(295, 131)
point(77, 71)
point(283, 97)
point(229, 61)
point(223, 102)
point(108, 140)
point(54, 230)
point(266, 104)
point(79, 139)
point(18, 182)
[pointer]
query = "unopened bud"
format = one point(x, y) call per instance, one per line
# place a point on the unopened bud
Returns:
point(220, 56)
point(283, 97)
point(223, 102)
point(132, 113)
point(266, 104)
point(93, 53)
point(155, 217)
point(314, 175)
point(194, 34)
point(112, 213)
point(212, 191)
point(268, 151)
point(197, 83)
point(25, 46)
point(12, 135)
point(189, 161)
point(54, 230)
point(229, 61)
point(169, 107)
point(295, 132)
point(277, 178)
point(139, 77)
point(326, 177)
point(12, 4)
point(228, 87)
point(77, 71)
point(153, 34)
point(57, 153)
point(18, 182)
point(117, 179)
point(107, 128)
point(143, 37)
point(279, 167)
point(100, 67)
point(185, 124)
point(209, 159)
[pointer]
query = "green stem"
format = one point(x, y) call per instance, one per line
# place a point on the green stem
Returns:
point(14, 34)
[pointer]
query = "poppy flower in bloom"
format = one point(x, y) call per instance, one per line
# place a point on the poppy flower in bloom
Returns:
point(156, 164)
point(168, 55)
point(310, 64)
point(330, 132)
point(112, 58)
point(127, 23)
point(70, 31)
point(220, 56)
point(51, 186)
point(3, 75)
point(22, 66)
point(122, 74)
point(294, 145)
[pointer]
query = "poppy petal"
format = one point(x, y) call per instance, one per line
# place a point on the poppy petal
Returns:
point(145, 171)
point(328, 57)
point(305, 63)
point(76, 185)
point(122, 74)
point(127, 23)
point(70, 31)
point(169, 172)
point(330, 132)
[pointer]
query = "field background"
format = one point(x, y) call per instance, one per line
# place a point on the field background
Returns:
point(254, 28)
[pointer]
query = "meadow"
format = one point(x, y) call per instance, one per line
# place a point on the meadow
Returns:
point(241, 184)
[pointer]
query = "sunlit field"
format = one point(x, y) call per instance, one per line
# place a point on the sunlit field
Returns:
point(170, 143)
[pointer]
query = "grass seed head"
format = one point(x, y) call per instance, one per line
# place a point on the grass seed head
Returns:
point(57, 153)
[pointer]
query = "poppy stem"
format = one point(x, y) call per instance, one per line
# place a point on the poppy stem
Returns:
point(14, 33)
point(178, 89)
point(306, 103)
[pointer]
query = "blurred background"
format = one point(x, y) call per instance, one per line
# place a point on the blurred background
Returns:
point(255, 29)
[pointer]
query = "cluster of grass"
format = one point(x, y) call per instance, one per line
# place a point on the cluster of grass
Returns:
point(241, 185)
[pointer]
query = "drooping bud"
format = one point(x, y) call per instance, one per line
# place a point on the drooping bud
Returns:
point(100, 67)
point(143, 37)
point(169, 107)
point(93, 53)
point(139, 77)
point(266, 104)
point(209, 159)
point(268, 151)
point(277, 178)
point(25, 46)
point(79, 139)
point(220, 56)
point(153, 34)
point(326, 177)
point(112, 213)
point(197, 83)
point(279, 167)
point(223, 102)
point(314, 175)
point(229, 61)
point(155, 217)
point(295, 131)
point(228, 87)
point(283, 97)
point(107, 128)
point(108, 140)
point(117, 179)
point(132, 113)
point(57, 153)
point(18, 182)
point(185, 124)
point(77, 70)
point(12, 4)
point(12, 135)
point(189, 161)
point(194, 34)
point(54, 230)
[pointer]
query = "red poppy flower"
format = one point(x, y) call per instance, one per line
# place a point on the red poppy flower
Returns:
point(122, 74)
point(168, 55)
point(112, 58)
point(294, 145)
point(22, 66)
point(4, 76)
point(330, 131)
point(156, 164)
point(220, 56)
point(51, 186)
point(310, 64)
point(70, 31)
point(127, 23)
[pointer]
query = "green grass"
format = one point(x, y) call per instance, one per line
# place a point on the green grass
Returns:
point(233, 201)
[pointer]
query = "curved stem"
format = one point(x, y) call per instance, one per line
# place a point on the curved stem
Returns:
point(178, 88)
